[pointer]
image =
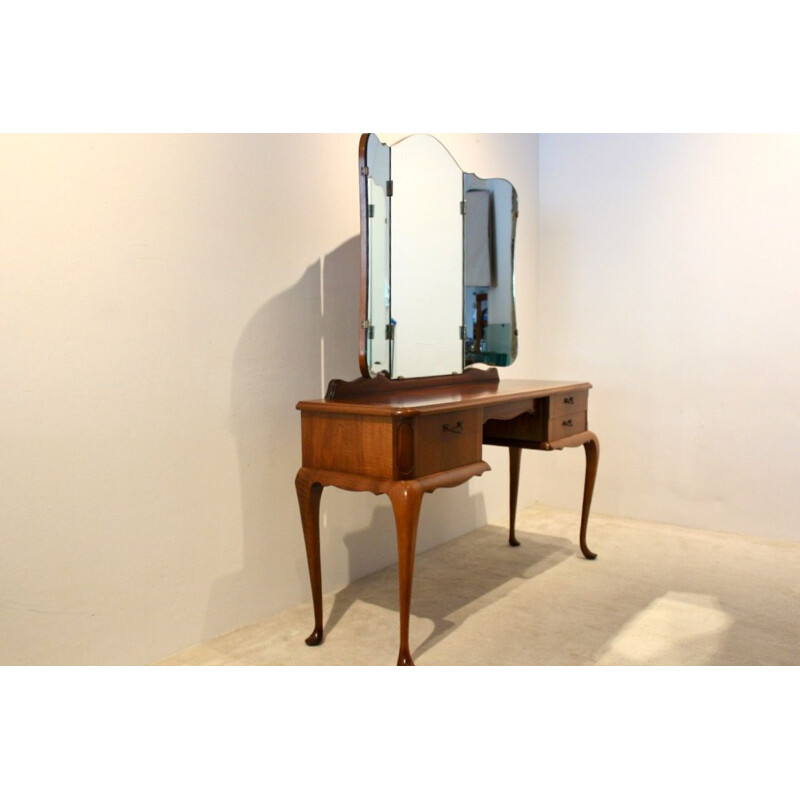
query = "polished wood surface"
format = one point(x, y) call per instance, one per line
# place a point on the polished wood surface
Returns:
point(492, 395)
point(406, 438)
point(340, 389)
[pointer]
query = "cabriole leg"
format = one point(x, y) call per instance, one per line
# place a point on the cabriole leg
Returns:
point(406, 498)
point(592, 449)
point(514, 455)
point(309, 494)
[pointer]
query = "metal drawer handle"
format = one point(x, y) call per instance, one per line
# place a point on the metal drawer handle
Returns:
point(569, 400)
point(567, 423)
point(457, 428)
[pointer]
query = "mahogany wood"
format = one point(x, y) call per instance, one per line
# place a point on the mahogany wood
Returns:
point(444, 441)
point(576, 440)
point(551, 418)
point(406, 499)
point(406, 438)
point(514, 457)
point(360, 387)
point(592, 448)
point(493, 396)
point(345, 443)
point(309, 493)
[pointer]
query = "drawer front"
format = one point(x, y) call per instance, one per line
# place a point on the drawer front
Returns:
point(559, 427)
point(567, 414)
point(567, 404)
point(445, 441)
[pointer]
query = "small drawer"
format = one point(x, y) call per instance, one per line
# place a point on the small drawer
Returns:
point(568, 404)
point(560, 427)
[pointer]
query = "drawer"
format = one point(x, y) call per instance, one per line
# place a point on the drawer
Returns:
point(445, 441)
point(566, 414)
point(568, 404)
point(559, 427)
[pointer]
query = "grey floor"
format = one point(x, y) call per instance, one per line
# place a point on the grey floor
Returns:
point(656, 595)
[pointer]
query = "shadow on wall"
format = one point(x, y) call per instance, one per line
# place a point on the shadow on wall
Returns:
point(288, 351)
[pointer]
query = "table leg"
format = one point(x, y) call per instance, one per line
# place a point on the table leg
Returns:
point(309, 493)
point(406, 498)
point(514, 454)
point(592, 449)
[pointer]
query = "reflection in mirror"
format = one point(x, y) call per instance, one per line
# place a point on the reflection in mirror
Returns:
point(437, 262)
point(489, 310)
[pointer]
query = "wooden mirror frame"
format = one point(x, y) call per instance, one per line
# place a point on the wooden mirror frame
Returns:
point(363, 307)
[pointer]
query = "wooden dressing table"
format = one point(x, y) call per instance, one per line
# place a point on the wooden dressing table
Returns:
point(372, 436)
point(405, 437)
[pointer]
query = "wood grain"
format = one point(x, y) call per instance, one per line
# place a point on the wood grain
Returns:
point(406, 438)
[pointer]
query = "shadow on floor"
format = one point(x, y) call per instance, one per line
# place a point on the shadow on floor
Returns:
point(451, 581)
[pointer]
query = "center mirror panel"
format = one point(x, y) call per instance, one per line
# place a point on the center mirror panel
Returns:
point(427, 259)
point(437, 262)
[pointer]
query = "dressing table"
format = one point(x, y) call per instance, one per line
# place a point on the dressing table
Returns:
point(437, 319)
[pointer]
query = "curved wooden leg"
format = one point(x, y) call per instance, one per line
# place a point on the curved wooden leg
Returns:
point(406, 498)
point(592, 448)
point(514, 455)
point(309, 494)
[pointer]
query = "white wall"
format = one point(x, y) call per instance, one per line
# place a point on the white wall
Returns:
point(167, 301)
point(669, 276)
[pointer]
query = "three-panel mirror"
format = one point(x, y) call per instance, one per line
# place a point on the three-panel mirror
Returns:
point(437, 251)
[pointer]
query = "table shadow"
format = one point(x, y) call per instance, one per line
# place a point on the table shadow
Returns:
point(453, 580)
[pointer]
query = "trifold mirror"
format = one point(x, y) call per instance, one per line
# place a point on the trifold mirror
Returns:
point(437, 262)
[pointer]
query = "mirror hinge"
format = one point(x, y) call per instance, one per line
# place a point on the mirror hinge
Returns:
point(365, 171)
point(463, 207)
point(462, 332)
point(370, 329)
point(371, 210)
point(390, 331)
point(389, 188)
